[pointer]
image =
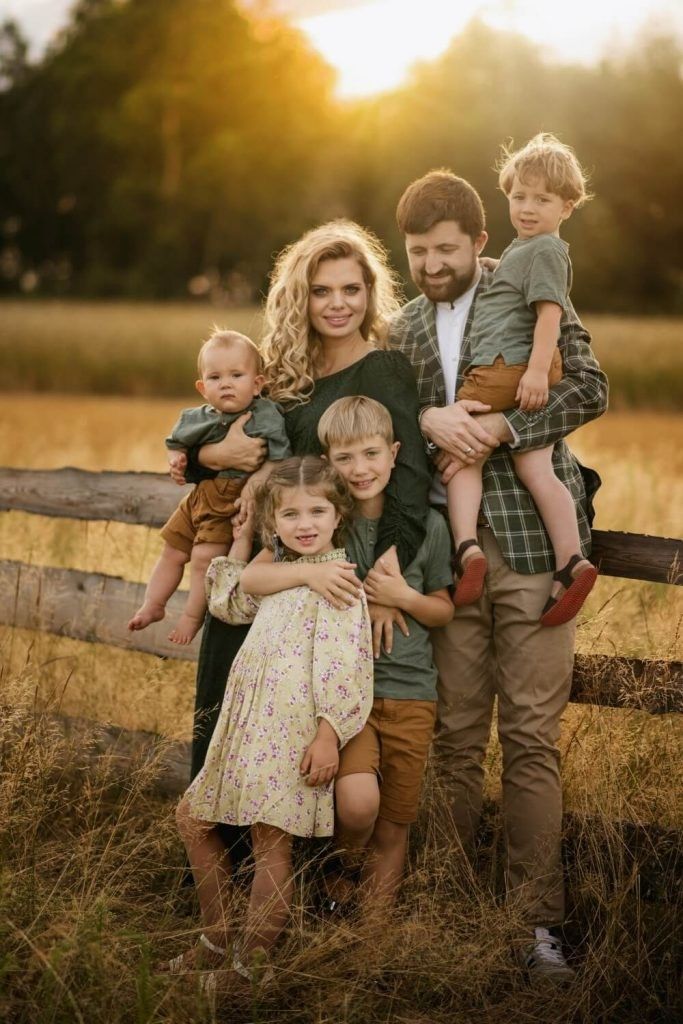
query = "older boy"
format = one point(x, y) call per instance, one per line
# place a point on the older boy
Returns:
point(377, 788)
point(496, 647)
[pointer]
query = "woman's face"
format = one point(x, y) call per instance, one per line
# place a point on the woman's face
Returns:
point(338, 299)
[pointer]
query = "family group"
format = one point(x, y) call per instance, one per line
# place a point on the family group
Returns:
point(389, 533)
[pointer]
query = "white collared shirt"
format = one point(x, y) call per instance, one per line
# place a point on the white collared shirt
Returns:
point(451, 318)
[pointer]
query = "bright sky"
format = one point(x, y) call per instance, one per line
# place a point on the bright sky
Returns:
point(373, 43)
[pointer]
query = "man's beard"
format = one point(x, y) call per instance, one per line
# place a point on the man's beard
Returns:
point(449, 285)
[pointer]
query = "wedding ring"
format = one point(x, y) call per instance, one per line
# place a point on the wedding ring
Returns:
point(468, 451)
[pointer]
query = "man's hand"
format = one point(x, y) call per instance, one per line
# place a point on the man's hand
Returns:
point(177, 465)
point(383, 621)
point(494, 423)
point(236, 451)
point(457, 430)
point(532, 391)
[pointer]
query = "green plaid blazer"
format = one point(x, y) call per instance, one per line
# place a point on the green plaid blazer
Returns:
point(580, 396)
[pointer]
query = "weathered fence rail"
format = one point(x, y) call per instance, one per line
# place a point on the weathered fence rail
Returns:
point(94, 607)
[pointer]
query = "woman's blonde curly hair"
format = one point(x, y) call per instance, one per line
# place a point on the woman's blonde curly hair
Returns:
point(291, 348)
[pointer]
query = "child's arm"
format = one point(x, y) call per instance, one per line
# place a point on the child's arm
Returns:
point(533, 391)
point(321, 760)
point(386, 586)
point(335, 581)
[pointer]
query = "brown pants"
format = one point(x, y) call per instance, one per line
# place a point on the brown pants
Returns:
point(497, 648)
point(496, 385)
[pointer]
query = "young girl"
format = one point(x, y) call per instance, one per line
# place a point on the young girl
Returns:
point(299, 689)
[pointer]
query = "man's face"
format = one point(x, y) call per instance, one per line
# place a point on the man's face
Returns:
point(443, 261)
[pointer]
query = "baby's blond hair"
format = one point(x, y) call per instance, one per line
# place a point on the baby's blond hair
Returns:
point(544, 157)
point(221, 338)
point(353, 419)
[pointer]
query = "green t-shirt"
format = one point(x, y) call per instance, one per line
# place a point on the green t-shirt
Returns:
point(530, 270)
point(407, 673)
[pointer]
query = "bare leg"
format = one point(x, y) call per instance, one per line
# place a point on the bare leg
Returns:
point(210, 866)
point(555, 505)
point(164, 581)
point(356, 799)
point(464, 499)
point(271, 889)
point(383, 869)
point(192, 617)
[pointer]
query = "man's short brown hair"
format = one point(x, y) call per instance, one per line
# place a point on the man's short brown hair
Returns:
point(440, 195)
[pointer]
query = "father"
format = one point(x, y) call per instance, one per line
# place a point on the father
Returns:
point(497, 647)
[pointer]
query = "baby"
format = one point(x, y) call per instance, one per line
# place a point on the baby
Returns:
point(230, 369)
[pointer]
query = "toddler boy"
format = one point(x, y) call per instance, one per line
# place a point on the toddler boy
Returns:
point(377, 787)
point(515, 360)
point(231, 378)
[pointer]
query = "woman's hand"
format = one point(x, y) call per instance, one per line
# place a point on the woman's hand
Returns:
point(320, 763)
point(177, 465)
point(243, 534)
point(236, 451)
point(335, 581)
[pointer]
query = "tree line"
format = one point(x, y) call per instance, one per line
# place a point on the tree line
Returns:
point(160, 150)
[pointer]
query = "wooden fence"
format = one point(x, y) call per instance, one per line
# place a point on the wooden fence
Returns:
point(95, 607)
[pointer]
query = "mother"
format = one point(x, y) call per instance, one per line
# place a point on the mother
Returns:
point(326, 326)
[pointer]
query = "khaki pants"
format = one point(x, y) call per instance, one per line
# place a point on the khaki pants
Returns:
point(497, 648)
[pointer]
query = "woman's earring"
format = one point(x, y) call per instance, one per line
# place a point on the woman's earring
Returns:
point(278, 548)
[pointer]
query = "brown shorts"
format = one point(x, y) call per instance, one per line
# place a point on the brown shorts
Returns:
point(497, 385)
point(203, 516)
point(393, 744)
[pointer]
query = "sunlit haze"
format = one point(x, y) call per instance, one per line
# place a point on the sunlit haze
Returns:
point(373, 45)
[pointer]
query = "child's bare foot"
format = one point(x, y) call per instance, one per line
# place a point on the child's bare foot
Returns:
point(186, 630)
point(147, 614)
point(470, 567)
point(571, 586)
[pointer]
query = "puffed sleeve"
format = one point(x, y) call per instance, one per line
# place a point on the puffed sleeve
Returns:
point(389, 378)
point(226, 599)
point(342, 667)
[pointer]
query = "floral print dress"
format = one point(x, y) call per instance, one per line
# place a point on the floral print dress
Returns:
point(302, 660)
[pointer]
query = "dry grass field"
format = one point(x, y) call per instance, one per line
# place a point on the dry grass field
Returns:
point(90, 867)
point(114, 348)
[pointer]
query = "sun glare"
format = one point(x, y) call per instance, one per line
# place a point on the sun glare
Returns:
point(373, 45)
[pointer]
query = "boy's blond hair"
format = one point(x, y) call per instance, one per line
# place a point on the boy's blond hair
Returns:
point(220, 338)
point(352, 419)
point(545, 157)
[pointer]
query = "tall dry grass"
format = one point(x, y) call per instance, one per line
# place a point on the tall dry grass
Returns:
point(149, 348)
point(91, 897)
point(90, 882)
